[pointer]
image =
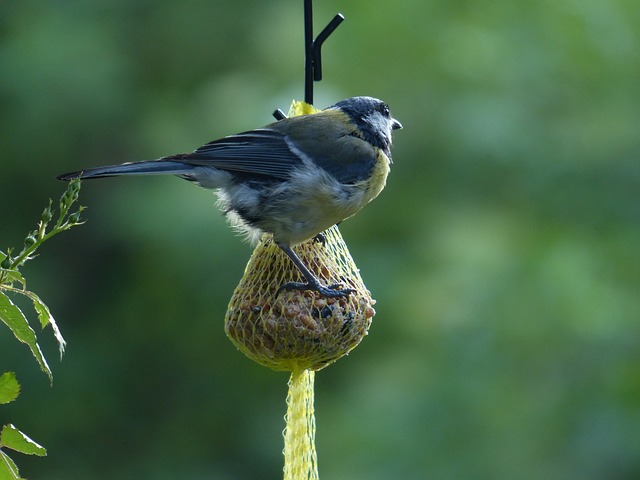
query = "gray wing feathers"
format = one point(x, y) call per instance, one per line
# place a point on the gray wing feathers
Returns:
point(258, 152)
point(261, 152)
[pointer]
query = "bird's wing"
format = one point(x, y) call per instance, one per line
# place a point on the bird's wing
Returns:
point(328, 139)
point(333, 142)
point(262, 152)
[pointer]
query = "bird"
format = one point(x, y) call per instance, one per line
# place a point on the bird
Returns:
point(293, 178)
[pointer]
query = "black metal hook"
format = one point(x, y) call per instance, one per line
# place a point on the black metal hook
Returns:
point(312, 52)
point(279, 114)
point(313, 48)
point(317, 45)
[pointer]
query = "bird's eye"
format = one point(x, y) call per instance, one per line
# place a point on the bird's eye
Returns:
point(385, 111)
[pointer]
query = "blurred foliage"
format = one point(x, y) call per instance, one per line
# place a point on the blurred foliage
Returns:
point(503, 253)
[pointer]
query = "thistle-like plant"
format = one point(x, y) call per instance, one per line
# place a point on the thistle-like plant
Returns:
point(13, 284)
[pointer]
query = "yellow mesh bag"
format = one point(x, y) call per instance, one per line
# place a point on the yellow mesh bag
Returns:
point(299, 331)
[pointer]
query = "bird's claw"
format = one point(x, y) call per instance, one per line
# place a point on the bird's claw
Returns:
point(331, 291)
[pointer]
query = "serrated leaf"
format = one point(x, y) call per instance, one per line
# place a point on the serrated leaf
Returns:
point(9, 387)
point(8, 469)
point(14, 439)
point(13, 276)
point(13, 317)
point(10, 276)
point(44, 314)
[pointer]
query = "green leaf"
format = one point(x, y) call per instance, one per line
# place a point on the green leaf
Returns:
point(11, 276)
point(14, 439)
point(11, 315)
point(44, 314)
point(8, 469)
point(9, 387)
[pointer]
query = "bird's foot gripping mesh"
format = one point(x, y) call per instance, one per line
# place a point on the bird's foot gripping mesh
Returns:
point(298, 330)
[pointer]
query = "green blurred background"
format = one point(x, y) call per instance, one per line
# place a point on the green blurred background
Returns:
point(503, 253)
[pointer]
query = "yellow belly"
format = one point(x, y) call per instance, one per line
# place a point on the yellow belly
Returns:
point(323, 208)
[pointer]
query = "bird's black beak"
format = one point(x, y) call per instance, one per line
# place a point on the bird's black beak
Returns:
point(395, 124)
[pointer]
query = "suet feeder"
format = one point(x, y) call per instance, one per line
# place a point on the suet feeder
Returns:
point(300, 331)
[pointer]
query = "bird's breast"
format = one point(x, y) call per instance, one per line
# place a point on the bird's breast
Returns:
point(378, 179)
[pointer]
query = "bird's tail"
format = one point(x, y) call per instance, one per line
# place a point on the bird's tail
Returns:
point(149, 167)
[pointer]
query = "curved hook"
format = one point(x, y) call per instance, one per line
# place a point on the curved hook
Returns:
point(317, 45)
point(312, 52)
point(313, 48)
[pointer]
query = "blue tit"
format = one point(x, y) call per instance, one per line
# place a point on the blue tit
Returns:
point(293, 178)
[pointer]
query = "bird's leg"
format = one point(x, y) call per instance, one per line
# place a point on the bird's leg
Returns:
point(312, 282)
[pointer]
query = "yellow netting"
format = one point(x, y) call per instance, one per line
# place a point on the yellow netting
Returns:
point(300, 460)
point(299, 331)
